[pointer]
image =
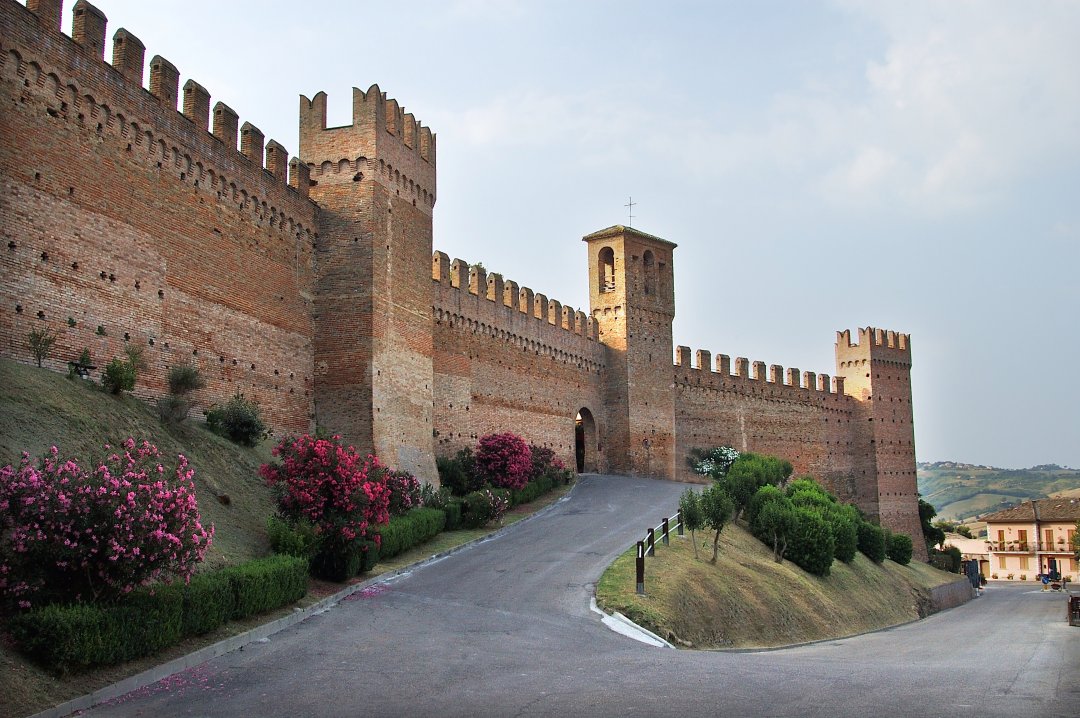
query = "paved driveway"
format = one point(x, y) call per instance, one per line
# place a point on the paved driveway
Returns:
point(504, 629)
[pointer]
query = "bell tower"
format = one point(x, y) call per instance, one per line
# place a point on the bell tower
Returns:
point(632, 300)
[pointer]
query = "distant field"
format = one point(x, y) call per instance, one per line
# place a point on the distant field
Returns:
point(965, 491)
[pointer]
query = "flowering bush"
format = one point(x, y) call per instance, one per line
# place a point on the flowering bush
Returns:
point(545, 463)
point(405, 491)
point(340, 493)
point(504, 460)
point(72, 534)
point(483, 507)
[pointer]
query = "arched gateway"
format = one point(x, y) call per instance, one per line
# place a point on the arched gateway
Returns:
point(585, 441)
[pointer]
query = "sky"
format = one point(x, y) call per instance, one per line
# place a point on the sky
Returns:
point(822, 166)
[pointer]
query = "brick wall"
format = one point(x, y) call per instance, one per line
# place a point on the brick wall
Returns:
point(121, 213)
point(508, 359)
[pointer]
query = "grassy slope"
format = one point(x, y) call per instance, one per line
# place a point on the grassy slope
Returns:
point(39, 408)
point(748, 601)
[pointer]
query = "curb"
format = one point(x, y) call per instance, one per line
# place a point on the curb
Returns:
point(624, 626)
point(260, 633)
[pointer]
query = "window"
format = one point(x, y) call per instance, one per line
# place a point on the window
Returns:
point(650, 271)
point(1023, 563)
point(606, 269)
point(1001, 562)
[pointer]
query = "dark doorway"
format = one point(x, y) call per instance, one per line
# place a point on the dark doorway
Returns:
point(585, 441)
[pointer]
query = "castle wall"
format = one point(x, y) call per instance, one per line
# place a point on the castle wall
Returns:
point(508, 359)
point(305, 286)
point(121, 213)
point(800, 417)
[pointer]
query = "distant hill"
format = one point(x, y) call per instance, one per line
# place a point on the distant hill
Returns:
point(962, 491)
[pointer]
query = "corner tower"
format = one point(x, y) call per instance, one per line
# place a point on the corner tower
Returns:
point(374, 181)
point(877, 374)
point(632, 298)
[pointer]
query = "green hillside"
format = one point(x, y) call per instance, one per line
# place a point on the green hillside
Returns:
point(747, 600)
point(40, 408)
point(964, 491)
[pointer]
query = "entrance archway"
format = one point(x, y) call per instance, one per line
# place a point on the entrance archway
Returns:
point(585, 441)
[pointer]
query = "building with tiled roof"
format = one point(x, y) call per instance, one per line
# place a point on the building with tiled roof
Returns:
point(1033, 538)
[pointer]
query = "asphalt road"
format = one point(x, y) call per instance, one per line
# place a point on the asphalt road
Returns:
point(504, 629)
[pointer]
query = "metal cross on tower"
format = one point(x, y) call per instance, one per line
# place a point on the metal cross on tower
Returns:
point(630, 206)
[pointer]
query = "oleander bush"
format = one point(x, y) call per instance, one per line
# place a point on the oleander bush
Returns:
point(405, 491)
point(484, 507)
point(503, 460)
point(458, 474)
point(74, 534)
point(342, 495)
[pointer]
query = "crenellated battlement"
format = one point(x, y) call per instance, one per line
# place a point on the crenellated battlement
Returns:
point(113, 98)
point(506, 295)
point(699, 369)
point(384, 143)
point(873, 344)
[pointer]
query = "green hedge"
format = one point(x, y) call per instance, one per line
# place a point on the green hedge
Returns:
point(267, 583)
point(67, 637)
point(208, 603)
point(532, 490)
point(453, 514)
point(411, 529)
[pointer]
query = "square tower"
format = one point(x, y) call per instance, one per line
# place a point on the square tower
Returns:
point(374, 181)
point(632, 299)
point(877, 373)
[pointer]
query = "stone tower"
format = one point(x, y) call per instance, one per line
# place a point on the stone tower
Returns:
point(374, 181)
point(632, 298)
point(877, 374)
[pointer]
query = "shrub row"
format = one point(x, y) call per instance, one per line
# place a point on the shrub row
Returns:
point(532, 490)
point(65, 637)
point(411, 529)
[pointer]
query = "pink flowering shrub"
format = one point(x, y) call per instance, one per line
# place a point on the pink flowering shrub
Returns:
point(504, 460)
point(404, 490)
point(342, 494)
point(68, 533)
point(484, 507)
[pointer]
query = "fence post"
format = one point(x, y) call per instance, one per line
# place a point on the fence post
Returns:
point(641, 568)
point(678, 517)
point(665, 536)
point(652, 542)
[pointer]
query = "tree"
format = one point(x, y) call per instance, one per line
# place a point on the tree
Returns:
point(933, 535)
point(777, 522)
point(900, 548)
point(750, 472)
point(40, 342)
point(1076, 541)
point(811, 545)
point(691, 515)
point(717, 507)
point(872, 541)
